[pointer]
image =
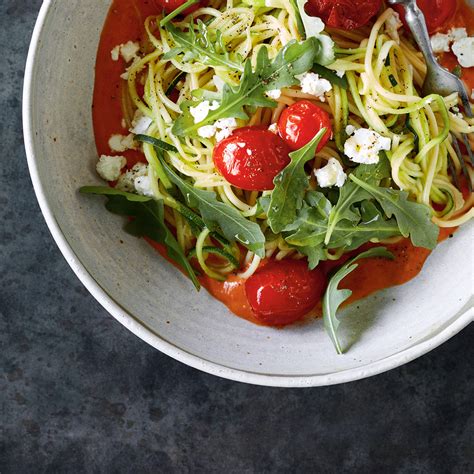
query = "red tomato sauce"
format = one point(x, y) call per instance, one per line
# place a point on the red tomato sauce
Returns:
point(464, 18)
point(124, 23)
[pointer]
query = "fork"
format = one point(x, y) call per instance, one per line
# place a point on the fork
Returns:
point(438, 81)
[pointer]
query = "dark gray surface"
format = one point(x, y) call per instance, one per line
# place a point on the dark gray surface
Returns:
point(79, 393)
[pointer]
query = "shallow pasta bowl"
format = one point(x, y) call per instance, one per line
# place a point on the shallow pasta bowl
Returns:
point(153, 299)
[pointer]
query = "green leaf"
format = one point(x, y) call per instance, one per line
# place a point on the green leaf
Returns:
point(149, 221)
point(290, 186)
point(334, 297)
point(205, 47)
point(313, 27)
point(218, 215)
point(295, 58)
point(351, 194)
point(414, 219)
point(164, 21)
point(309, 229)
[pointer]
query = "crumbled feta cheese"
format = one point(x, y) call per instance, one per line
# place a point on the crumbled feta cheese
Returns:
point(223, 134)
point(219, 83)
point(350, 129)
point(128, 51)
point(222, 128)
point(207, 131)
point(311, 83)
point(464, 51)
point(331, 175)
point(340, 73)
point(140, 123)
point(273, 128)
point(226, 123)
point(457, 34)
point(124, 75)
point(115, 53)
point(274, 94)
point(392, 25)
point(121, 143)
point(143, 186)
point(201, 111)
point(126, 182)
point(109, 167)
point(440, 43)
point(364, 146)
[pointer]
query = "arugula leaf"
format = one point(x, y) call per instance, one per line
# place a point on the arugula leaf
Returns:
point(218, 215)
point(352, 193)
point(308, 231)
point(205, 47)
point(313, 27)
point(334, 297)
point(290, 186)
point(413, 218)
point(295, 58)
point(149, 221)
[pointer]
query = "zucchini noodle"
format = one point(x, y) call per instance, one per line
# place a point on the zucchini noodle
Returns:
point(383, 77)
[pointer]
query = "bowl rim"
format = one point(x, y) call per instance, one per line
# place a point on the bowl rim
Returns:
point(146, 334)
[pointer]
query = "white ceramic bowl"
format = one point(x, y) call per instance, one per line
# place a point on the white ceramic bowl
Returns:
point(154, 300)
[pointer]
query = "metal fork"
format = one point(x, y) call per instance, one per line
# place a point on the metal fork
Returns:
point(438, 80)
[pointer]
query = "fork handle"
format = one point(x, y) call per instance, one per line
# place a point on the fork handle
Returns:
point(416, 22)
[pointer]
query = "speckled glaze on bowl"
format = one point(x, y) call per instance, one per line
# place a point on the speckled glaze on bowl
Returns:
point(153, 299)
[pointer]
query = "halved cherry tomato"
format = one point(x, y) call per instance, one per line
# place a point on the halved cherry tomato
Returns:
point(281, 292)
point(251, 158)
point(300, 122)
point(171, 5)
point(344, 14)
point(437, 13)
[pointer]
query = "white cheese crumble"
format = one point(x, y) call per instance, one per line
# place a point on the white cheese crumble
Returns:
point(121, 143)
point(201, 111)
point(222, 129)
point(340, 73)
point(207, 131)
point(311, 83)
point(331, 175)
point(140, 123)
point(273, 128)
point(440, 43)
point(350, 129)
point(364, 146)
point(274, 94)
point(126, 182)
point(457, 33)
point(109, 167)
point(128, 51)
point(392, 25)
point(143, 186)
point(464, 51)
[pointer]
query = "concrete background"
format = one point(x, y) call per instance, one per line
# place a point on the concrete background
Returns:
point(79, 393)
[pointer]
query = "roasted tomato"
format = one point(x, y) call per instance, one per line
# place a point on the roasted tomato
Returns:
point(251, 158)
point(344, 14)
point(282, 292)
point(300, 122)
point(437, 12)
point(171, 5)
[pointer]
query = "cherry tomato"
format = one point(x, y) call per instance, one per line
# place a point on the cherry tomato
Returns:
point(437, 13)
point(344, 14)
point(171, 5)
point(251, 157)
point(300, 122)
point(281, 292)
